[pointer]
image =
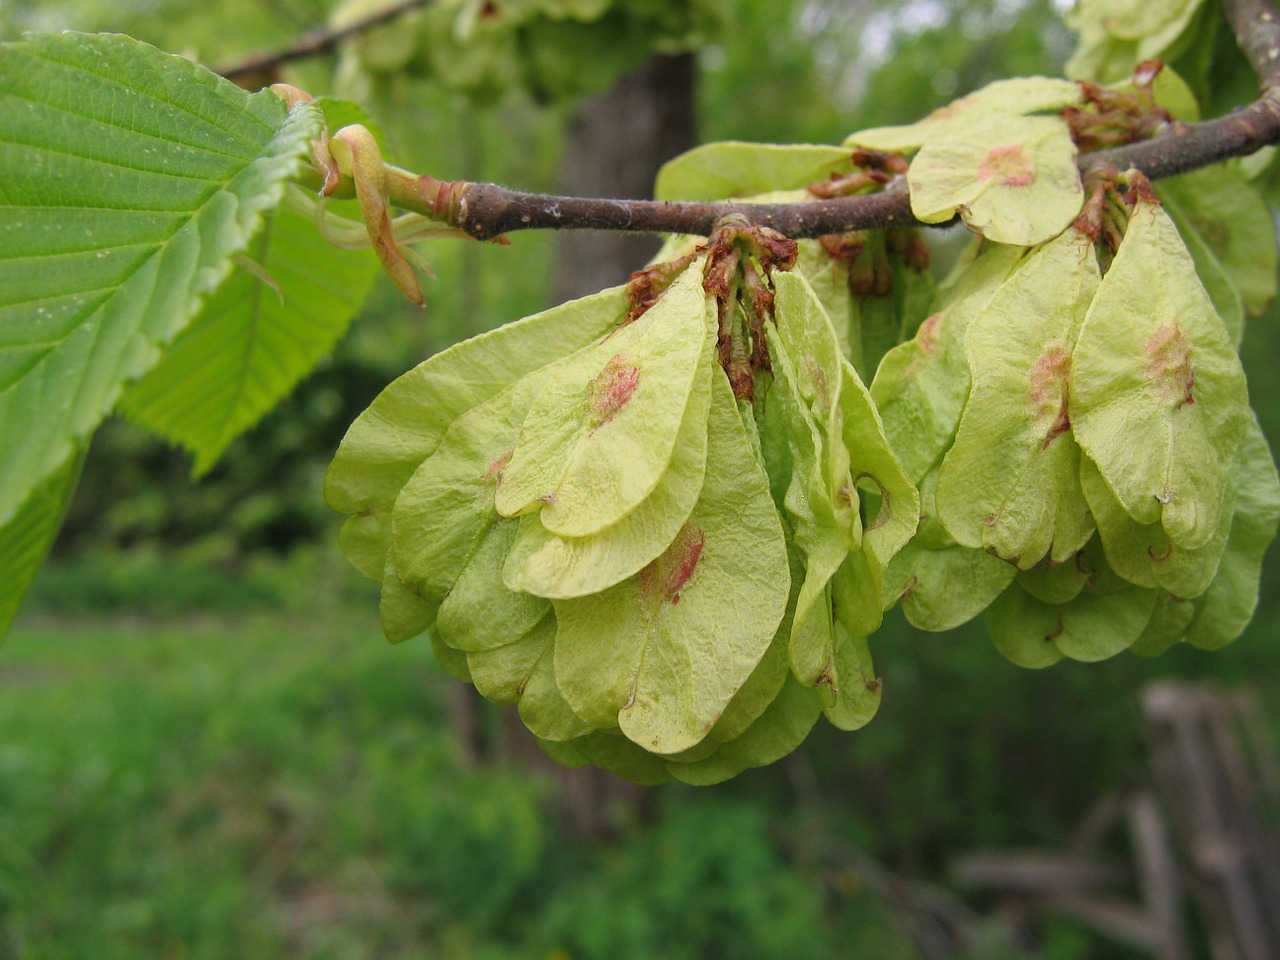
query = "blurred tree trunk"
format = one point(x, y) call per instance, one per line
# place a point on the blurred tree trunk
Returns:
point(614, 146)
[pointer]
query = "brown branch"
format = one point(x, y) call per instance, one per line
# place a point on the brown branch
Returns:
point(1257, 30)
point(486, 210)
point(314, 42)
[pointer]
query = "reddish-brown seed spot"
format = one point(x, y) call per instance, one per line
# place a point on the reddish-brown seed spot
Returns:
point(664, 578)
point(611, 390)
point(927, 335)
point(1050, 393)
point(1009, 166)
point(1169, 366)
point(496, 467)
point(688, 551)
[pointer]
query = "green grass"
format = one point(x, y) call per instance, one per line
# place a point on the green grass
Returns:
point(271, 779)
point(285, 784)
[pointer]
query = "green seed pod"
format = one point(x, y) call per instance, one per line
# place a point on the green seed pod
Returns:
point(1158, 397)
point(1010, 483)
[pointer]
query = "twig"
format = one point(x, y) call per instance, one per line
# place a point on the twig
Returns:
point(487, 210)
point(321, 40)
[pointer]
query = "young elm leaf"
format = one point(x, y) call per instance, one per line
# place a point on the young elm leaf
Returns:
point(407, 421)
point(500, 673)
point(1010, 483)
point(857, 687)
point(479, 612)
point(778, 731)
point(921, 385)
point(940, 588)
point(1227, 212)
point(547, 565)
point(859, 583)
point(662, 653)
point(542, 707)
point(403, 611)
point(719, 171)
point(1091, 627)
point(1056, 582)
point(1015, 97)
point(599, 435)
point(1224, 610)
point(1142, 553)
point(1158, 397)
point(1167, 626)
point(1011, 178)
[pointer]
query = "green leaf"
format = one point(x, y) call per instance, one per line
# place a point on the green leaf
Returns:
point(25, 540)
point(821, 498)
point(559, 567)
point(1011, 178)
point(250, 344)
point(663, 653)
point(502, 673)
point(1158, 398)
point(1171, 92)
point(718, 171)
point(600, 434)
point(1015, 97)
point(445, 513)
point(1133, 19)
point(405, 423)
point(1168, 624)
point(1115, 37)
point(542, 707)
point(479, 612)
point(857, 687)
point(1011, 481)
point(1058, 582)
point(169, 170)
point(339, 113)
point(779, 730)
point(1222, 291)
point(404, 612)
point(1143, 553)
point(941, 588)
point(921, 385)
point(1226, 607)
point(1235, 224)
point(1091, 627)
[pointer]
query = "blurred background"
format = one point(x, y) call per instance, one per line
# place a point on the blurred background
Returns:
point(208, 750)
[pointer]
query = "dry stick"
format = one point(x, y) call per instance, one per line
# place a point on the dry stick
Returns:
point(487, 210)
point(315, 42)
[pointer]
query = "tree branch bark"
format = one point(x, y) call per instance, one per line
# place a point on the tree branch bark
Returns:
point(315, 42)
point(487, 210)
